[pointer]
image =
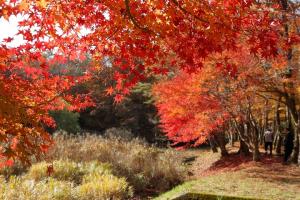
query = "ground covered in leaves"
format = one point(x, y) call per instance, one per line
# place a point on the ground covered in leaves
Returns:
point(238, 176)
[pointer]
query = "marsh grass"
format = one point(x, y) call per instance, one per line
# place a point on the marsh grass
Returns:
point(93, 167)
point(144, 167)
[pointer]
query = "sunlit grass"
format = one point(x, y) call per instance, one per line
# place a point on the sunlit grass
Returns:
point(238, 176)
point(69, 181)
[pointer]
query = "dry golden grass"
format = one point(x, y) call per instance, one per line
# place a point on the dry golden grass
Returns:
point(146, 168)
point(69, 181)
point(92, 167)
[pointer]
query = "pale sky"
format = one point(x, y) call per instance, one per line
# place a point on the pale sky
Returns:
point(10, 29)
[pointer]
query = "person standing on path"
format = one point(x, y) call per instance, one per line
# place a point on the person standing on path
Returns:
point(268, 137)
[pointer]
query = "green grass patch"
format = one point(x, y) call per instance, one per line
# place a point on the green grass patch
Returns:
point(233, 184)
point(194, 196)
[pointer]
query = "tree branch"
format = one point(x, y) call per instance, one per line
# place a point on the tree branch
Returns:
point(132, 18)
point(187, 12)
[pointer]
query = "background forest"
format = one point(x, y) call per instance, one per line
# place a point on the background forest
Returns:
point(136, 114)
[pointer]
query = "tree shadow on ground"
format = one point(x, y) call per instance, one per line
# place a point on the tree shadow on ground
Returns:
point(231, 162)
point(272, 170)
point(269, 168)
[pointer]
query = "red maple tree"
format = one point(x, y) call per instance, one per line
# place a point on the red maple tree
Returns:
point(138, 37)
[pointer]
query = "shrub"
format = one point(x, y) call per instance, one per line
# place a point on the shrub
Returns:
point(68, 170)
point(98, 186)
point(63, 170)
point(69, 181)
point(144, 167)
point(18, 188)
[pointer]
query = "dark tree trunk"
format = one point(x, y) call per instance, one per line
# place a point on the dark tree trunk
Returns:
point(278, 144)
point(244, 149)
point(213, 144)
point(291, 103)
point(290, 98)
point(243, 137)
point(220, 138)
point(256, 153)
point(295, 153)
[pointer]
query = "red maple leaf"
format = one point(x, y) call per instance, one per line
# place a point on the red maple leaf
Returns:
point(118, 98)
point(109, 91)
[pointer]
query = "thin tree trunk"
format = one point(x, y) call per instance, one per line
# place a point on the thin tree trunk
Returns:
point(231, 138)
point(295, 152)
point(265, 123)
point(278, 143)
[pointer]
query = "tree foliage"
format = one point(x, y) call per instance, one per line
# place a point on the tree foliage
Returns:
point(148, 36)
point(140, 38)
point(136, 112)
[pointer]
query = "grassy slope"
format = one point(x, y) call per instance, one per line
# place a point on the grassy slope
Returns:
point(236, 176)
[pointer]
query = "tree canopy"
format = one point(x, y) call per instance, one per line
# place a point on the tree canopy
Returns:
point(140, 38)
